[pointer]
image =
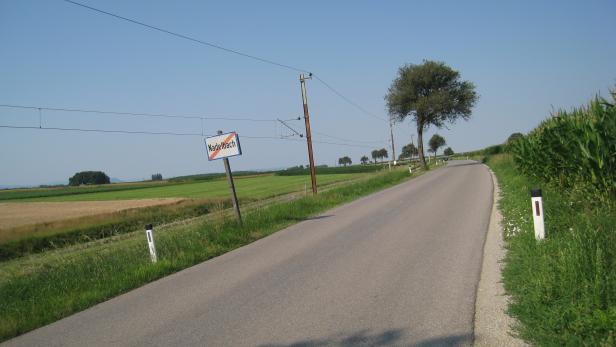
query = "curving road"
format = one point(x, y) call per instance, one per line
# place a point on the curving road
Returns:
point(399, 267)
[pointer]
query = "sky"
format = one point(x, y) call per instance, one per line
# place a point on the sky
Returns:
point(526, 59)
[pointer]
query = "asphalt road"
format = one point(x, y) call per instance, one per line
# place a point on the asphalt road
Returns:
point(399, 267)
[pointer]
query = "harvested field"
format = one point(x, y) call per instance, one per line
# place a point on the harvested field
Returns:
point(20, 214)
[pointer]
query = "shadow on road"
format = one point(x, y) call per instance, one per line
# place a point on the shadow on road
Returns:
point(361, 338)
point(311, 218)
point(387, 338)
point(450, 340)
point(452, 164)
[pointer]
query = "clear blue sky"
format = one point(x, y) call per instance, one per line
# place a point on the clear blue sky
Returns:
point(525, 58)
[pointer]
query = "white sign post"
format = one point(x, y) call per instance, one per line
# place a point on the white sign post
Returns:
point(537, 208)
point(150, 237)
point(222, 147)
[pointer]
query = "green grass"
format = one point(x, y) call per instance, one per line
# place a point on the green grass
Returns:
point(31, 193)
point(40, 289)
point(248, 188)
point(24, 240)
point(28, 239)
point(563, 288)
point(333, 170)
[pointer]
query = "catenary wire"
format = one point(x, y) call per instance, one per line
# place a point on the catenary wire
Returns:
point(186, 37)
point(232, 51)
point(140, 114)
point(139, 132)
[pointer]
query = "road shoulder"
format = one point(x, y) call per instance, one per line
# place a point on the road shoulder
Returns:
point(492, 324)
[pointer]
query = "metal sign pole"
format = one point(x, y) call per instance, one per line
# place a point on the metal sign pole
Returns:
point(236, 204)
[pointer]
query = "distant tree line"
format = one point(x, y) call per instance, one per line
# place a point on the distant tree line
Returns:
point(157, 177)
point(89, 177)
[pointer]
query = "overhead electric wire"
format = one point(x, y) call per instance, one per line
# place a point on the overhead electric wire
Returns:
point(186, 37)
point(142, 132)
point(232, 51)
point(347, 140)
point(140, 114)
point(351, 102)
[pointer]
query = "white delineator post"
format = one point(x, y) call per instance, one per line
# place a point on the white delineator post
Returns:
point(537, 207)
point(150, 237)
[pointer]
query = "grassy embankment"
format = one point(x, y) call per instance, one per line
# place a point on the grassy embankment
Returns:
point(564, 287)
point(203, 195)
point(42, 288)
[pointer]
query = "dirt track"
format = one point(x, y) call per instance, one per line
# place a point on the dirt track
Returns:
point(20, 214)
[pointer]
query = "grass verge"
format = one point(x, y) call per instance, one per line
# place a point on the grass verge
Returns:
point(40, 289)
point(564, 288)
point(41, 237)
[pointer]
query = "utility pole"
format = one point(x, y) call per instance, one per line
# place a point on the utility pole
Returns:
point(313, 176)
point(393, 148)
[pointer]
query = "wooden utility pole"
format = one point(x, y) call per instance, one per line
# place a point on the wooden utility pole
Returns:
point(313, 176)
point(236, 205)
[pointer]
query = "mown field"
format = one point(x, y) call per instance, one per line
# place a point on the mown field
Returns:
point(254, 187)
point(199, 197)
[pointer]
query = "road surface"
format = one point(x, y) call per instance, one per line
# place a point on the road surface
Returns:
point(396, 268)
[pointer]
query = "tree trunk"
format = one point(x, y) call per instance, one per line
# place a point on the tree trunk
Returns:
point(420, 150)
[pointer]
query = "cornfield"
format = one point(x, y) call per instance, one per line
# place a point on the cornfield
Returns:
point(574, 150)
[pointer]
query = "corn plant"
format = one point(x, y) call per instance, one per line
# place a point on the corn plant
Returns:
point(574, 150)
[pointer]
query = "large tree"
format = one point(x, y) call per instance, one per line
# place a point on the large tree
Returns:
point(89, 177)
point(375, 155)
point(436, 142)
point(345, 161)
point(430, 93)
point(383, 153)
point(408, 151)
point(364, 160)
point(448, 151)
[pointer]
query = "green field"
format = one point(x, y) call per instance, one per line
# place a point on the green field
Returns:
point(42, 288)
point(248, 188)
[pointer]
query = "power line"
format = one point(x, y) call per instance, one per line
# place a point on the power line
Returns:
point(347, 140)
point(186, 37)
point(351, 102)
point(140, 132)
point(133, 114)
point(232, 51)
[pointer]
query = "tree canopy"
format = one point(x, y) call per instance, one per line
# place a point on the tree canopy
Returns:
point(375, 155)
point(408, 151)
point(430, 93)
point(436, 142)
point(345, 161)
point(364, 159)
point(448, 151)
point(89, 177)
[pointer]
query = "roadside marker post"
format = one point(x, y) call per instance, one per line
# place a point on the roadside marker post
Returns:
point(537, 208)
point(222, 147)
point(149, 234)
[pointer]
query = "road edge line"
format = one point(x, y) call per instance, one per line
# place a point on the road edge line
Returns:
point(492, 325)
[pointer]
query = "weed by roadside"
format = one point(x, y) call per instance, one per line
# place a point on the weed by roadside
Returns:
point(563, 288)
